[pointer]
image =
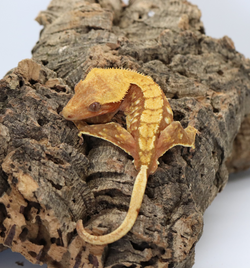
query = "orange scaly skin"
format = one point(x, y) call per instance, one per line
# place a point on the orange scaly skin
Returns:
point(150, 132)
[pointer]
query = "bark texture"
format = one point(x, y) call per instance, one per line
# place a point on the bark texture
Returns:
point(50, 178)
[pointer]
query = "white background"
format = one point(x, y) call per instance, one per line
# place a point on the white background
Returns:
point(226, 236)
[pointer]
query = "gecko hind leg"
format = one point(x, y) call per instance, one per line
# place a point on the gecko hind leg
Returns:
point(173, 135)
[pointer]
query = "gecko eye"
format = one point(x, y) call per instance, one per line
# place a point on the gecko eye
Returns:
point(94, 107)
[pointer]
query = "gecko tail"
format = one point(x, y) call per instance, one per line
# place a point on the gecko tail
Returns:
point(127, 224)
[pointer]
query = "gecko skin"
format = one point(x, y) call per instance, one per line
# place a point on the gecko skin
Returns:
point(150, 132)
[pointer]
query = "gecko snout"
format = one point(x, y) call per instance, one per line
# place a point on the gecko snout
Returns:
point(66, 113)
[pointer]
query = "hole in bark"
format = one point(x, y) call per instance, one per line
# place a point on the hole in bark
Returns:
point(175, 97)
point(220, 72)
point(178, 116)
point(59, 109)
point(14, 181)
point(47, 96)
point(71, 235)
point(42, 242)
point(2, 234)
point(183, 73)
point(59, 240)
point(202, 30)
point(21, 210)
point(21, 83)
point(56, 186)
point(56, 264)
point(3, 216)
point(4, 183)
point(170, 238)
point(59, 89)
point(162, 251)
point(3, 98)
point(26, 211)
point(167, 158)
point(150, 262)
point(111, 193)
point(32, 82)
point(42, 121)
point(87, 29)
point(215, 110)
point(32, 254)
point(140, 247)
point(56, 241)
point(150, 192)
point(45, 62)
point(56, 160)
point(135, 55)
point(155, 57)
point(171, 265)
point(23, 234)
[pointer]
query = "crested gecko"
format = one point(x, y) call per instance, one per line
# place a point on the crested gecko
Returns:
point(150, 131)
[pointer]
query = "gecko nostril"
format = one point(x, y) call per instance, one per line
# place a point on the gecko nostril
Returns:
point(66, 113)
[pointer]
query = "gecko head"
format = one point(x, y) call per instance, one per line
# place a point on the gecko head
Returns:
point(87, 102)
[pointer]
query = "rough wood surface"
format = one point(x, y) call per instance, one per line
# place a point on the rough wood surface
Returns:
point(50, 178)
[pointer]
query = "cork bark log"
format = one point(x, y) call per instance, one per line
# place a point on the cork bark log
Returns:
point(50, 178)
